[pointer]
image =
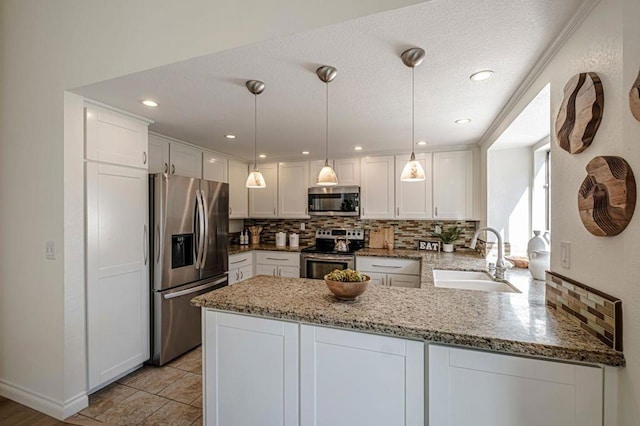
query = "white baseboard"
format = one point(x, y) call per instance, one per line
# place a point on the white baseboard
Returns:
point(42, 403)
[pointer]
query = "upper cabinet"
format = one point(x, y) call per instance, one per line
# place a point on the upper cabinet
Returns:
point(453, 185)
point(347, 170)
point(377, 189)
point(263, 202)
point(292, 197)
point(414, 200)
point(238, 192)
point(214, 167)
point(185, 160)
point(115, 138)
point(158, 155)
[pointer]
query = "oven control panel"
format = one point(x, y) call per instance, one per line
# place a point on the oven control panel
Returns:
point(350, 233)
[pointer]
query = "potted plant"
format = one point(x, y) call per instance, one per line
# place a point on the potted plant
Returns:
point(448, 237)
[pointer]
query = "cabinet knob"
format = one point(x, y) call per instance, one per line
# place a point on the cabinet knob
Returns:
point(274, 212)
point(166, 168)
point(144, 157)
point(398, 211)
point(230, 210)
point(241, 275)
point(173, 169)
point(436, 212)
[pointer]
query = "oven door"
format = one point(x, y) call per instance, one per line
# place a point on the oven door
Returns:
point(316, 266)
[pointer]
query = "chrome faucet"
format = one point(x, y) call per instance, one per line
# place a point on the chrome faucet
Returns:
point(500, 267)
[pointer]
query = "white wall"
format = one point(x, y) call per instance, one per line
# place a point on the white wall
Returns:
point(46, 48)
point(509, 174)
point(610, 264)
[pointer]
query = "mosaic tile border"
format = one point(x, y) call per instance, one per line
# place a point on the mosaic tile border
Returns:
point(598, 313)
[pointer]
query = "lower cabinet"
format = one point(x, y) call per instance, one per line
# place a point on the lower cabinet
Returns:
point(250, 370)
point(389, 271)
point(468, 387)
point(278, 264)
point(240, 267)
point(349, 378)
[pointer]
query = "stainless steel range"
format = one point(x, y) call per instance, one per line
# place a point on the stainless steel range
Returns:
point(334, 249)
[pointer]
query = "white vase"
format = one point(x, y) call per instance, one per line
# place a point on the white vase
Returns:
point(447, 248)
point(539, 262)
point(537, 243)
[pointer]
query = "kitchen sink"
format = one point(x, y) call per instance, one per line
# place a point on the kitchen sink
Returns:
point(470, 280)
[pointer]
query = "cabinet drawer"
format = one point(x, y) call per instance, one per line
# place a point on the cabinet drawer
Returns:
point(240, 260)
point(278, 258)
point(388, 265)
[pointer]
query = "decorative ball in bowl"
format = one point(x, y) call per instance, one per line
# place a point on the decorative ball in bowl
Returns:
point(347, 284)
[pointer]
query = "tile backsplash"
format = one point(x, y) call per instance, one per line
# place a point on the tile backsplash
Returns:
point(407, 232)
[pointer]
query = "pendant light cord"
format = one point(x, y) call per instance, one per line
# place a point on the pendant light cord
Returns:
point(413, 110)
point(255, 132)
point(326, 132)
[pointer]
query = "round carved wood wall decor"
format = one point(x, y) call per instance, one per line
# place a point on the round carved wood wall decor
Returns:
point(634, 98)
point(607, 196)
point(580, 112)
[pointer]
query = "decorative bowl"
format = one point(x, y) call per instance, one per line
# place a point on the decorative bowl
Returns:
point(345, 290)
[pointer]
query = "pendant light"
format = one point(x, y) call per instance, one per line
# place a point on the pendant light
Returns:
point(327, 177)
point(255, 179)
point(412, 171)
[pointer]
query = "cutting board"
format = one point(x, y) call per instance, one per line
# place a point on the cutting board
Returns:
point(378, 236)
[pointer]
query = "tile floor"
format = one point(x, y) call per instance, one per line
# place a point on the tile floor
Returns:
point(167, 395)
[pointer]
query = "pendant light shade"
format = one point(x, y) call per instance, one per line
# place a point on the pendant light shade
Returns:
point(255, 179)
point(412, 171)
point(327, 177)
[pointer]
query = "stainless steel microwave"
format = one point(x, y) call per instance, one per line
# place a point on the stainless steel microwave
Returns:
point(334, 201)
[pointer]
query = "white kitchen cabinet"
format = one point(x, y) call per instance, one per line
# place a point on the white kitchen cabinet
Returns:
point(263, 202)
point(349, 378)
point(377, 187)
point(238, 192)
point(414, 200)
point(185, 160)
point(292, 194)
point(487, 389)
point(117, 270)
point(115, 138)
point(158, 154)
point(240, 267)
point(278, 264)
point(390, 271)
point(250, 370)
point(214, 167)
point(348, 171)
point(453, 185)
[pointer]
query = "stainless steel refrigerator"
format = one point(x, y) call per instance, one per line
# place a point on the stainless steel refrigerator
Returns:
point(188, 239)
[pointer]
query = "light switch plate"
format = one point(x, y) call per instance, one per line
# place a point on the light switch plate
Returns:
point(565, 254)
point(302, 226)
point(50, 250)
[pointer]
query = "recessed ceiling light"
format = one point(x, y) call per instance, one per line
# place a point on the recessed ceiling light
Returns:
point(149, 103)
point(481, 75)
point(262, 155)
point(422, 142)
point(357, 148)
point(305, 152)
point(463, 121)
point(230, 136)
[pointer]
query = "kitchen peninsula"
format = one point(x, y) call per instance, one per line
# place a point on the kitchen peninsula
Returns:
point(289, 349)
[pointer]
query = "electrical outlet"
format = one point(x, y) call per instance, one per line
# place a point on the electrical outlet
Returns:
point(50, 250)
point(565, 254)
point(302, 226)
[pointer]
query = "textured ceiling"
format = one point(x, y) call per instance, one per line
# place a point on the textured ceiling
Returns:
point(204, 98)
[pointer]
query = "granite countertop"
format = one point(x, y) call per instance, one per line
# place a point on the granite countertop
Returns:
point(514, 323)
point(236, 248)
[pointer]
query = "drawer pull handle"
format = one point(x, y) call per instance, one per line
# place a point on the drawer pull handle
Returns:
point(275, 258)
point(238, 261)
point(387, 266)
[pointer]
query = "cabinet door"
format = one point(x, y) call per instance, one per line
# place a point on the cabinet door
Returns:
point(349, 378)
point(289, 271)
point(115, 138)
point(263, 202)
point(251, 370)
point(485, 389)
point(453, 185)
point(414, 199)
point(399, 280)
point(233, 276)
point(246, 272)
point(185, 160)
point(389, 265)
point(117, 271)
point(376, 277)
point(377, 187)
point(267, 270)
point(158, 155)
point(238, 192)
point(348, 171)
point(214, 167)
point(292, 196)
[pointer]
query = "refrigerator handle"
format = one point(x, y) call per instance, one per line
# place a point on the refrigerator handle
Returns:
point(200, 229)
point(205, 236)
point(157, 245)
point(194, 289)
point(145, 243)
